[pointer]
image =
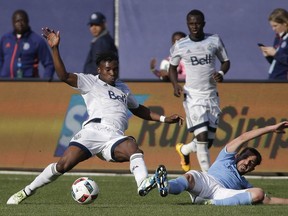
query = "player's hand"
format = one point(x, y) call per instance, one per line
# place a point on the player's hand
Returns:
point(178, 90)
point(175, 118)
point(153, 64)
point(280, 127)
point(52, 37)
point(163, 73)
point(217, 77)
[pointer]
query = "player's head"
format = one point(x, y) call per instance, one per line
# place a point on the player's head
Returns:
point(20, 21)
point(278, 20)
point(108, 67)
point(195, 22)
point(247, 160)
point(177, 36)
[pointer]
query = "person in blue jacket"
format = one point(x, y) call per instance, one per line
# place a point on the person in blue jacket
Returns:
point(21, 50)
point(101, 42)
point(277, 55)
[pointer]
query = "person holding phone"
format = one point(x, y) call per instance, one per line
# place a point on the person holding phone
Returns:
point(277, 55)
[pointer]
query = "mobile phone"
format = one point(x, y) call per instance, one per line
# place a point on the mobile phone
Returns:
point(260, 44)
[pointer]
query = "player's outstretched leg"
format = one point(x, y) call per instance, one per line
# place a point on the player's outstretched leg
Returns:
point(16, 198)
point(185, 159)
point(147, 185)
point(48, 175)
point(161, 180)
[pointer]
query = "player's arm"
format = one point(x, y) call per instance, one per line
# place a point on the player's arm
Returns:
point(53, 39)
point(219, 76)
point(225, 66)
point(145, 113)
point(161, 73)
point(173, 74)
point(221, 54)
point(274, 200)
point(236, 144)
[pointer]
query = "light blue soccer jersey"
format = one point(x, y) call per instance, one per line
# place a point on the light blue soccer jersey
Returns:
point(225, 172)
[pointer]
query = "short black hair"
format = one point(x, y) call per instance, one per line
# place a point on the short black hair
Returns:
point(196, 13)
point(181, 34)
point(106, 56)
point(23, 13)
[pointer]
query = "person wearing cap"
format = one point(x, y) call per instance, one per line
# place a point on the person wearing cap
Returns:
point(101, 42)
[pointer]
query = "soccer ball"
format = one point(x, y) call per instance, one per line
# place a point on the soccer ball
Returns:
point(84, 190)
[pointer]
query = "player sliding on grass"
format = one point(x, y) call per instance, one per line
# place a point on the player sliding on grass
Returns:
point(224, 183)
point(102, 134)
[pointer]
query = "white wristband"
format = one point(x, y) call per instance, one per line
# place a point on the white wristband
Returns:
point(221, 72)
point(162, 118)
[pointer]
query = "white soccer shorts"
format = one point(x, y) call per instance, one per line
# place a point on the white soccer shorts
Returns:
point(99, 139)
point(208, 188)
point(201, 112)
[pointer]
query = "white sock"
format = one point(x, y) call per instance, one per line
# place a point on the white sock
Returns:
point(203, 156)
point(138, 167)
point(48, 175)
point(189, 147)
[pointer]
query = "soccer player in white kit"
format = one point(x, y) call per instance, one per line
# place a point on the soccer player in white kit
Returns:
point(224, 183)
point(198, 52)
point(102, 135)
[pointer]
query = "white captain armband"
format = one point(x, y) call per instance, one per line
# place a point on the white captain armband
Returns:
point(162, 118)
point(221, 72)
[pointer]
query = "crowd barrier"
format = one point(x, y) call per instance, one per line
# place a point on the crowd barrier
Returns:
point(37, 120)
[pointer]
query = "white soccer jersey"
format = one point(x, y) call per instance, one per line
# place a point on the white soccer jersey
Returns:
point(199, 61)
point(106, 102)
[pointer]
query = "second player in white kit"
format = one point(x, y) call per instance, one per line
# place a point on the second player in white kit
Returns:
point(198, 52)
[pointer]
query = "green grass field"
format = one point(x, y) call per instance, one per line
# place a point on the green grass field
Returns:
point(118, 197)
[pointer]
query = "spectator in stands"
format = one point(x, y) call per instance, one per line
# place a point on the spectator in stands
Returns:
point(277, 55)
point(162, 73)
point(101, 42)
point(22, 49)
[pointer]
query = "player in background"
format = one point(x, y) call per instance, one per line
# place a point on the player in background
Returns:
point(225, 184)
point(198, 52)
point(102, 134)
point(162, 73)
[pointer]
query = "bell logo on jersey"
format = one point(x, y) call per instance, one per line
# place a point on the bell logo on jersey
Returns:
point(202, 61)
point(121, 98)
point(76, 114)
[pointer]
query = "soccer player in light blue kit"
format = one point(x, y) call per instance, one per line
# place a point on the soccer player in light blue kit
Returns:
point(224, 184)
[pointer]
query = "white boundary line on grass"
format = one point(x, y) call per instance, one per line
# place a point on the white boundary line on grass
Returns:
point(68, 173)
point(119, 174)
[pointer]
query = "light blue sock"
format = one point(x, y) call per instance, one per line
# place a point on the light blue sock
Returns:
point(178, 185)
point(238, 199)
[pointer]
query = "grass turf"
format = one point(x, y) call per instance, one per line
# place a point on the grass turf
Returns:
point(118, 196)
